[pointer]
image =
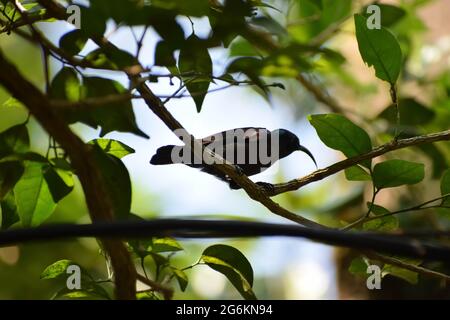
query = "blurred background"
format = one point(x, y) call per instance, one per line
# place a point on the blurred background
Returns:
point(284, 268)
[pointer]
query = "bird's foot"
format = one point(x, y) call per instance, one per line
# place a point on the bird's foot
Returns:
point(268, 187)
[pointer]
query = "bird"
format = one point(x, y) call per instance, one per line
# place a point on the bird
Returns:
point(251, 149)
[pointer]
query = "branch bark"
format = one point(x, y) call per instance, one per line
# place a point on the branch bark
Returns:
point(320, 174)
point(97, 199)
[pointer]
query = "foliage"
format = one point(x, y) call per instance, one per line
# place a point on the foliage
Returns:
point(266, 51)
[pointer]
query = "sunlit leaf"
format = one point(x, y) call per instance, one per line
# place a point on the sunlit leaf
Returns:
point(233, 264)
point(33, 197)
point(339, 133)
point(379, 48)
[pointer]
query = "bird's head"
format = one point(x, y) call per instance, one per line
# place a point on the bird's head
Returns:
point(289, 143)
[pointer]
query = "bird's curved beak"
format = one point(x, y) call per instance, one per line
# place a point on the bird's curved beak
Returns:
point(302, 148)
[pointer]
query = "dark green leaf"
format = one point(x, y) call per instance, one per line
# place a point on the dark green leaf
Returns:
point(164, 55)
point(445, 187)
point(111, 57)
point(73, 41)
point(92, 24)
point(113, 147)
point(379, 48)
point(10, 173)
point(252, 68)
point(117, 181)
point(339, 133)
point(159, 259)
point(358, 267)
point(407, 275)
point(66, 85)
point(14, 140)
point(412, 113)
point(387, 223)
point(9, 211)
point(233, 264)
point(194, 58)
point(394, 173)
point(33, 197)
point(357, 173)
point(181, 278)
point(117, 116)
point(60, 182)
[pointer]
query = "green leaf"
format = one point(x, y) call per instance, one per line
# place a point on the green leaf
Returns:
point(357, 173)
point(116, 179)
point(165, 244)
point(317, 16)
point(93, 292)
point(407, 275)
point(113, 147)
point(358, 267)
point(92, 24)
point(10, 173)
point(12, 102)
point(9, 211)
point(394, 173)
point(445, 187)
point(164, 55)
point(195, 8)
point(14, 140)
point(387, 223)
point(182, 278)
point(241, 47)
point(60, 182)
point(159, 259)
point(339, 133)
point(56, 269)
point(233, 264)
point(66, 85)
point(33, 197)
point(117, 116)
point(412, 113)
point(73, 41)
point(252, 68)
point(147, 295)
point(195, 58)
point(379, 48)
point(111, 57)
point(378, 210)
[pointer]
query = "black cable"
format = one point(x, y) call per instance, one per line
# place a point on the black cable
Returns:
point(181, 228)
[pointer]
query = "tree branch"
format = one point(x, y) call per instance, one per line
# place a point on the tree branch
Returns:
point(347, 163)
point(407, 266)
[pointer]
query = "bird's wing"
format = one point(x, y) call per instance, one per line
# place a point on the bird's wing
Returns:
point(249, 134)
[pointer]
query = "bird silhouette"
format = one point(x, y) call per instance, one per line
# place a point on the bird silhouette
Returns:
point(251, 150)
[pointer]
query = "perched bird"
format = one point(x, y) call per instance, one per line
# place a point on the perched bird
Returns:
point(252, 150)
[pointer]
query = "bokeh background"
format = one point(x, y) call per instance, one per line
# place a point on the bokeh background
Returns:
point(284, 268)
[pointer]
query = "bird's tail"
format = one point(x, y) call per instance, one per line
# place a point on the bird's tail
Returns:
point(163, 155)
